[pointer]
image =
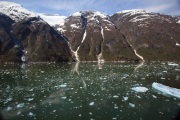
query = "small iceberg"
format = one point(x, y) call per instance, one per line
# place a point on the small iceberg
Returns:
point(91, 104)
point(172, 64)
point(140, 89)
point(166, 89)
point(20, 105)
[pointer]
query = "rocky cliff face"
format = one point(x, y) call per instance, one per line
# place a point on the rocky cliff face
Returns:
point(93, 37)
point(153, 36)
point(8, 51)
point(40, 42)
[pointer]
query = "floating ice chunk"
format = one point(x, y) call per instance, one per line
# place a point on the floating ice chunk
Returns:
point(20, 105)
point(138, 96)
point(132, 105)
point(115, 96)
point(30, 99)
point(9, 99)
point(31, 89)
point(140, 89)
point(154, 96)
point(125, 98)
point(172, 64)
point(18, 113)
point(64, 97)
point(114, 118)
point(31, 114)
point(63, 85)
point(91, 104)
point(166, 90)
point(9, 108)
point(54, 110)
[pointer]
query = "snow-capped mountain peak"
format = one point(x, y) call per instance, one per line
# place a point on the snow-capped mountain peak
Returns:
point(15, 11)
point(133, 11)
point(90, 14)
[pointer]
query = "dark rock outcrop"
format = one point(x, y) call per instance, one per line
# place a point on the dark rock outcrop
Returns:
point(31, 40)
point(8, 51)
point(40, 42)
point(153, 36)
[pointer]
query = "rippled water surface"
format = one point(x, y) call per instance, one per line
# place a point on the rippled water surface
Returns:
point(87, 91)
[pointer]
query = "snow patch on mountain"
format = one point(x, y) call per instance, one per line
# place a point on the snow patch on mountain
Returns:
point(90, 14)
point(15, 11)
point(178, 22)
point(75, 26)
point(133, 11)
point(54, 19)
point(177, 44)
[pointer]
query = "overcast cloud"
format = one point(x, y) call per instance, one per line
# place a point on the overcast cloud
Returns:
point(67, 7)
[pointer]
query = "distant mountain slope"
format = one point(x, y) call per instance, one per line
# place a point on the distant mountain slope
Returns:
point(93, 37)
point(154, 36)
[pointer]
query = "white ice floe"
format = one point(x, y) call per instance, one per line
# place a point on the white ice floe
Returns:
point(91, 104)
point(30, 99)
point(140, 89)
point(115, 96)
point(31, 114)
point(166, 90)
point(9, 99)
point(154, 96)
point(132, 105)
point(20, 105)
point(18, 113)
point(172, 64)
point(63, 85)
point(125, 98)
point(9, 108)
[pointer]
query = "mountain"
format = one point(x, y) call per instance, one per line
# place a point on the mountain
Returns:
point(29, 38)
point(131, 35)
point(93, 37)
point(15, 11)
point(154, 36)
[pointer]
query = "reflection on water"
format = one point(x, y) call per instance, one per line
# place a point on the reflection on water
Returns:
point(87, 91)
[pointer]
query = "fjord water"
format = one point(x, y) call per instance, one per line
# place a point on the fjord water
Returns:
point(87, 91)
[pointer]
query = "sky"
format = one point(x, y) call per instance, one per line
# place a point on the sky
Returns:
point(68, 7)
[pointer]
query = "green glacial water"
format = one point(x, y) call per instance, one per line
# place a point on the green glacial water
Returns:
point(88, 91)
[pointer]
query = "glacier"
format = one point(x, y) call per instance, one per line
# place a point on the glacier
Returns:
point(166, 90)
